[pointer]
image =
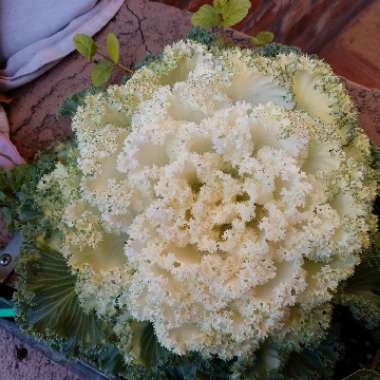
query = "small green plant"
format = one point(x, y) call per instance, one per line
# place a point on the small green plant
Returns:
point(262, 38)
point(102, 70)
point(227, 13)
point(222, 14)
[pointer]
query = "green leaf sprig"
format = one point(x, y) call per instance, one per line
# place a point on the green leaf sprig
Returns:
point(102, 70)
point(223, 13)
point(227, 13)
point(262, 38)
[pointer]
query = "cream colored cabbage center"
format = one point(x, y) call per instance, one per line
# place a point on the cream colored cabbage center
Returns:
point(240, 209)
point(234, 217)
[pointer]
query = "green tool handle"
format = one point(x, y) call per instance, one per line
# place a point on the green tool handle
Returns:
point(7, 313)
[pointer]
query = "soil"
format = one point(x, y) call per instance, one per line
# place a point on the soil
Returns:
point(20, 361)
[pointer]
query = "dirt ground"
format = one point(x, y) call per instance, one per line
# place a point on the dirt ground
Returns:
point(19, 361)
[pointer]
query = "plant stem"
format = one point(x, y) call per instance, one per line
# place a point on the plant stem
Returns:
point(125, 68)
point(223, 34)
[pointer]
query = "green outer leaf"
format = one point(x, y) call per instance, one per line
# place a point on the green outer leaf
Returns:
point(5, 200)
point(55, 305)
point(48, 307)
point(7, 217)
point(150, 348)
point(59, 321)
point(101, 72)
point(262, 38)
point(219, 5)
point(85, 45)
point(361, 291)
point(274, 49)
point(206, 17)
point(233, 11)
point(202, 36)
point(113, 47)
point(314, 362)
point(70, 105)
point(111, 361)
point(363, 374)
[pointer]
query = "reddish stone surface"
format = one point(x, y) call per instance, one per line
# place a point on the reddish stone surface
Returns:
point(345, 32)
point(308, 24)
point(355, 52)
point(20, 361)
point(368, 102)
point(33, 122)
point(142, 27)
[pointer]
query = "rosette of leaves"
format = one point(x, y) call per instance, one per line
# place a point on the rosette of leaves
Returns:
point(46, 303)
point(48, 306)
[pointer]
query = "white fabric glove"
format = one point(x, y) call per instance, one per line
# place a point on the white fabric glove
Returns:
point(36, 34)
point(9, 155)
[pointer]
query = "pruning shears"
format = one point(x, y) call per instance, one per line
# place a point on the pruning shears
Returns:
point(7, 262)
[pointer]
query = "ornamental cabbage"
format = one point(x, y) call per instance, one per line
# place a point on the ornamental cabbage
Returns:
point(219, 194)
